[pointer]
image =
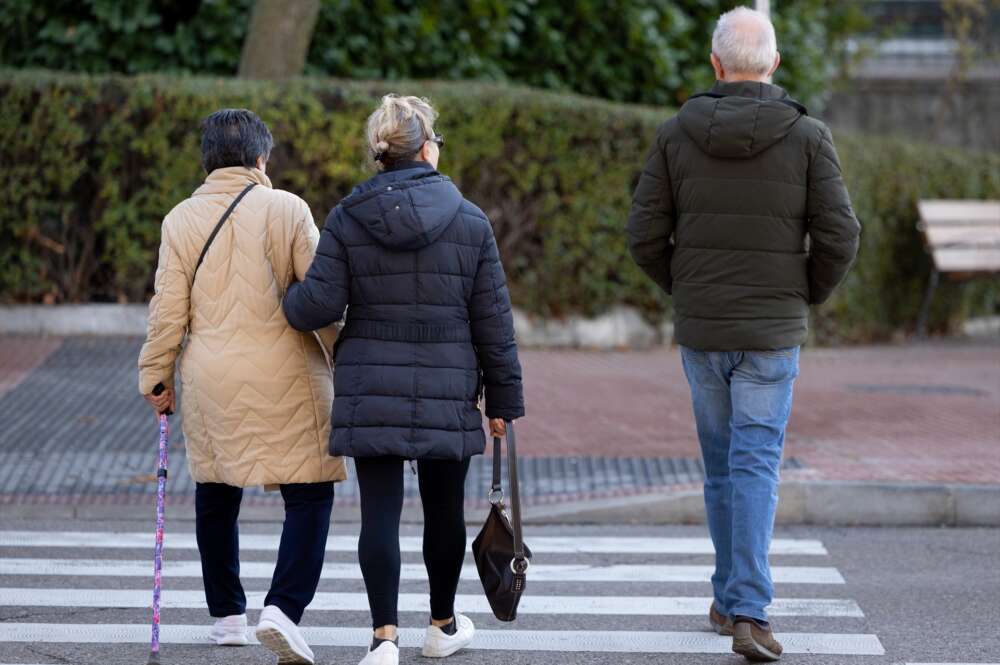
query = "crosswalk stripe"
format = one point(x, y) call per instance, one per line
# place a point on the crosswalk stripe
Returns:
point(337, 543)
point(503, 640)
point(414, 602)
point(538, 573)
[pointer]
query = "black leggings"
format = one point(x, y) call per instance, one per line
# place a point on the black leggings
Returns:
point(442, 492)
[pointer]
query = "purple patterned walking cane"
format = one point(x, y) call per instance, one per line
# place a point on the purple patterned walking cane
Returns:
point(161, 488)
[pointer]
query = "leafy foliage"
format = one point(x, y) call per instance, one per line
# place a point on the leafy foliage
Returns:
point(92, 164)
point(646, 51)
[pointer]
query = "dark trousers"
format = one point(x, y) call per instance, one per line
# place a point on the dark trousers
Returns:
point(442, 493)
point(300, 554)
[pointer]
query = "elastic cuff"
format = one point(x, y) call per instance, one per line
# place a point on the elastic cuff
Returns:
point(148, 382)
point(505, 402)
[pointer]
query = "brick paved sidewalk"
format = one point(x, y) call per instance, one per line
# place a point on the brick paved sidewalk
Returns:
point(598, 423)
point(909, 413)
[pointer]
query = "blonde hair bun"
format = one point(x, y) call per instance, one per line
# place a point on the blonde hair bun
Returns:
point(398, 128)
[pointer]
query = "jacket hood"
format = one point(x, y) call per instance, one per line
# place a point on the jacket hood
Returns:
point(739, 119)
point(406, 208)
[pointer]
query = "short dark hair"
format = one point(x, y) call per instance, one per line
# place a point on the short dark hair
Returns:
point(234, 137)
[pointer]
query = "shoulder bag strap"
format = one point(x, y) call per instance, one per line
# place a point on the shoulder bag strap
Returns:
point(218, 227)
point(520, 562)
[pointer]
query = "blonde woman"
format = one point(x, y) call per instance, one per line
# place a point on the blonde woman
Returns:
point(257, 393)
point(428, 328)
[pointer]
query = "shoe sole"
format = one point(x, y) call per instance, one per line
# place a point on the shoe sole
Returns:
point(276, 642)
point(749, 649)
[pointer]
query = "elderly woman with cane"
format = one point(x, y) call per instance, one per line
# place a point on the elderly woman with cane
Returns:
point(429, 325)
point(257, 393)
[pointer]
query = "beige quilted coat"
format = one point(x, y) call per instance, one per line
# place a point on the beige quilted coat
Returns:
point(256, 394)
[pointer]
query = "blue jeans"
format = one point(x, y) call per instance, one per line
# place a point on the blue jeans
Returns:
point(742, 400)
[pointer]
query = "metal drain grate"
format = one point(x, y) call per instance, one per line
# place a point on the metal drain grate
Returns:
point(75, 428)
point(129, 476)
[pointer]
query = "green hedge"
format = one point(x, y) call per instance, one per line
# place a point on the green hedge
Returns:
point(91, 164)
point(647, 51)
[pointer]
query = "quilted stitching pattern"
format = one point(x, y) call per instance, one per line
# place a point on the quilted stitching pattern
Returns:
point(257, 393)
point(412, 259)
point(741, 214)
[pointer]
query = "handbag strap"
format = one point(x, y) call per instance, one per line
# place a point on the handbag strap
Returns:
point(218, 227)
point(520, 563)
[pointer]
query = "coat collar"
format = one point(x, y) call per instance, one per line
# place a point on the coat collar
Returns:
point(231, 180)
point(757, 89)
point(409, 164)
point(752, 90)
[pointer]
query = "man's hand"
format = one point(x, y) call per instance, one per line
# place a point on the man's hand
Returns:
point(165, 401)
point(498, 428)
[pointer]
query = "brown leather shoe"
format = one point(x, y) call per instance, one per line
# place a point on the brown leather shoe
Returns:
point(755, 643)
point(721, 624)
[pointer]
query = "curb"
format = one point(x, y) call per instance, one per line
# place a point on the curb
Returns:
point(96, 319)
point(817, 503)
point(619, 328)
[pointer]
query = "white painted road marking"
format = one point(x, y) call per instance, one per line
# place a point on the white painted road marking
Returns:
point(539, 544)
point(418, 602)
point(539, 573)
point(501, 640)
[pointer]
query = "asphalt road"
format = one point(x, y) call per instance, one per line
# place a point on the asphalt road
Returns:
point(919, 595)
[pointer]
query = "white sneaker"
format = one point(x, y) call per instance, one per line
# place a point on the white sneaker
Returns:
point(230, 631)
point(387, 653)
point(438, 644)
point(279, 634)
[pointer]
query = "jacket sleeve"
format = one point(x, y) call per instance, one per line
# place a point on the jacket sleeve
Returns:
point(491, 318)
point(303, 253)
point(304, 243)
point(651, 220)
point(169, 313)
point(321, 297)
point(833, 228)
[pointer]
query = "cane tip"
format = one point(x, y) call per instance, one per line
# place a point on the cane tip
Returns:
point(154, 659)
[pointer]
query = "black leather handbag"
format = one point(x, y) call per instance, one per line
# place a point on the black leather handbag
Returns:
point(499, 550)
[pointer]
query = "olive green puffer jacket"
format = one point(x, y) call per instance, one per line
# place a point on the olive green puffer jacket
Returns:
point(742, 215)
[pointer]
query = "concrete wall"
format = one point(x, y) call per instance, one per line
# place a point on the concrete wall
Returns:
point(922, 104)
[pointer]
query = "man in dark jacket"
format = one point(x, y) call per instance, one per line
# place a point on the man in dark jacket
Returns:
point(742, 215)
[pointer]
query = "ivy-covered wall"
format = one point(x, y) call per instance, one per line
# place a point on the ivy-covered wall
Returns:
point(90, 165)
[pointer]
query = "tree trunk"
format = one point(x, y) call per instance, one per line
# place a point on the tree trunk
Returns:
point(277, 42)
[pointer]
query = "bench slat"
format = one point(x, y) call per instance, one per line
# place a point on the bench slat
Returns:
point(967, 260)
point(945, 211)
point(962, 236)
point(942, 236)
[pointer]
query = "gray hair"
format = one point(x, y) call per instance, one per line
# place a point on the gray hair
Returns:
point(744, 41)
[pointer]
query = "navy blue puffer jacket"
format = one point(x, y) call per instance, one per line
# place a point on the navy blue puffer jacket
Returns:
point(429, 322)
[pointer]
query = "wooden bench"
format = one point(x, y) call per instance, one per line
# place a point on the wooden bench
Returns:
point(963, 238)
